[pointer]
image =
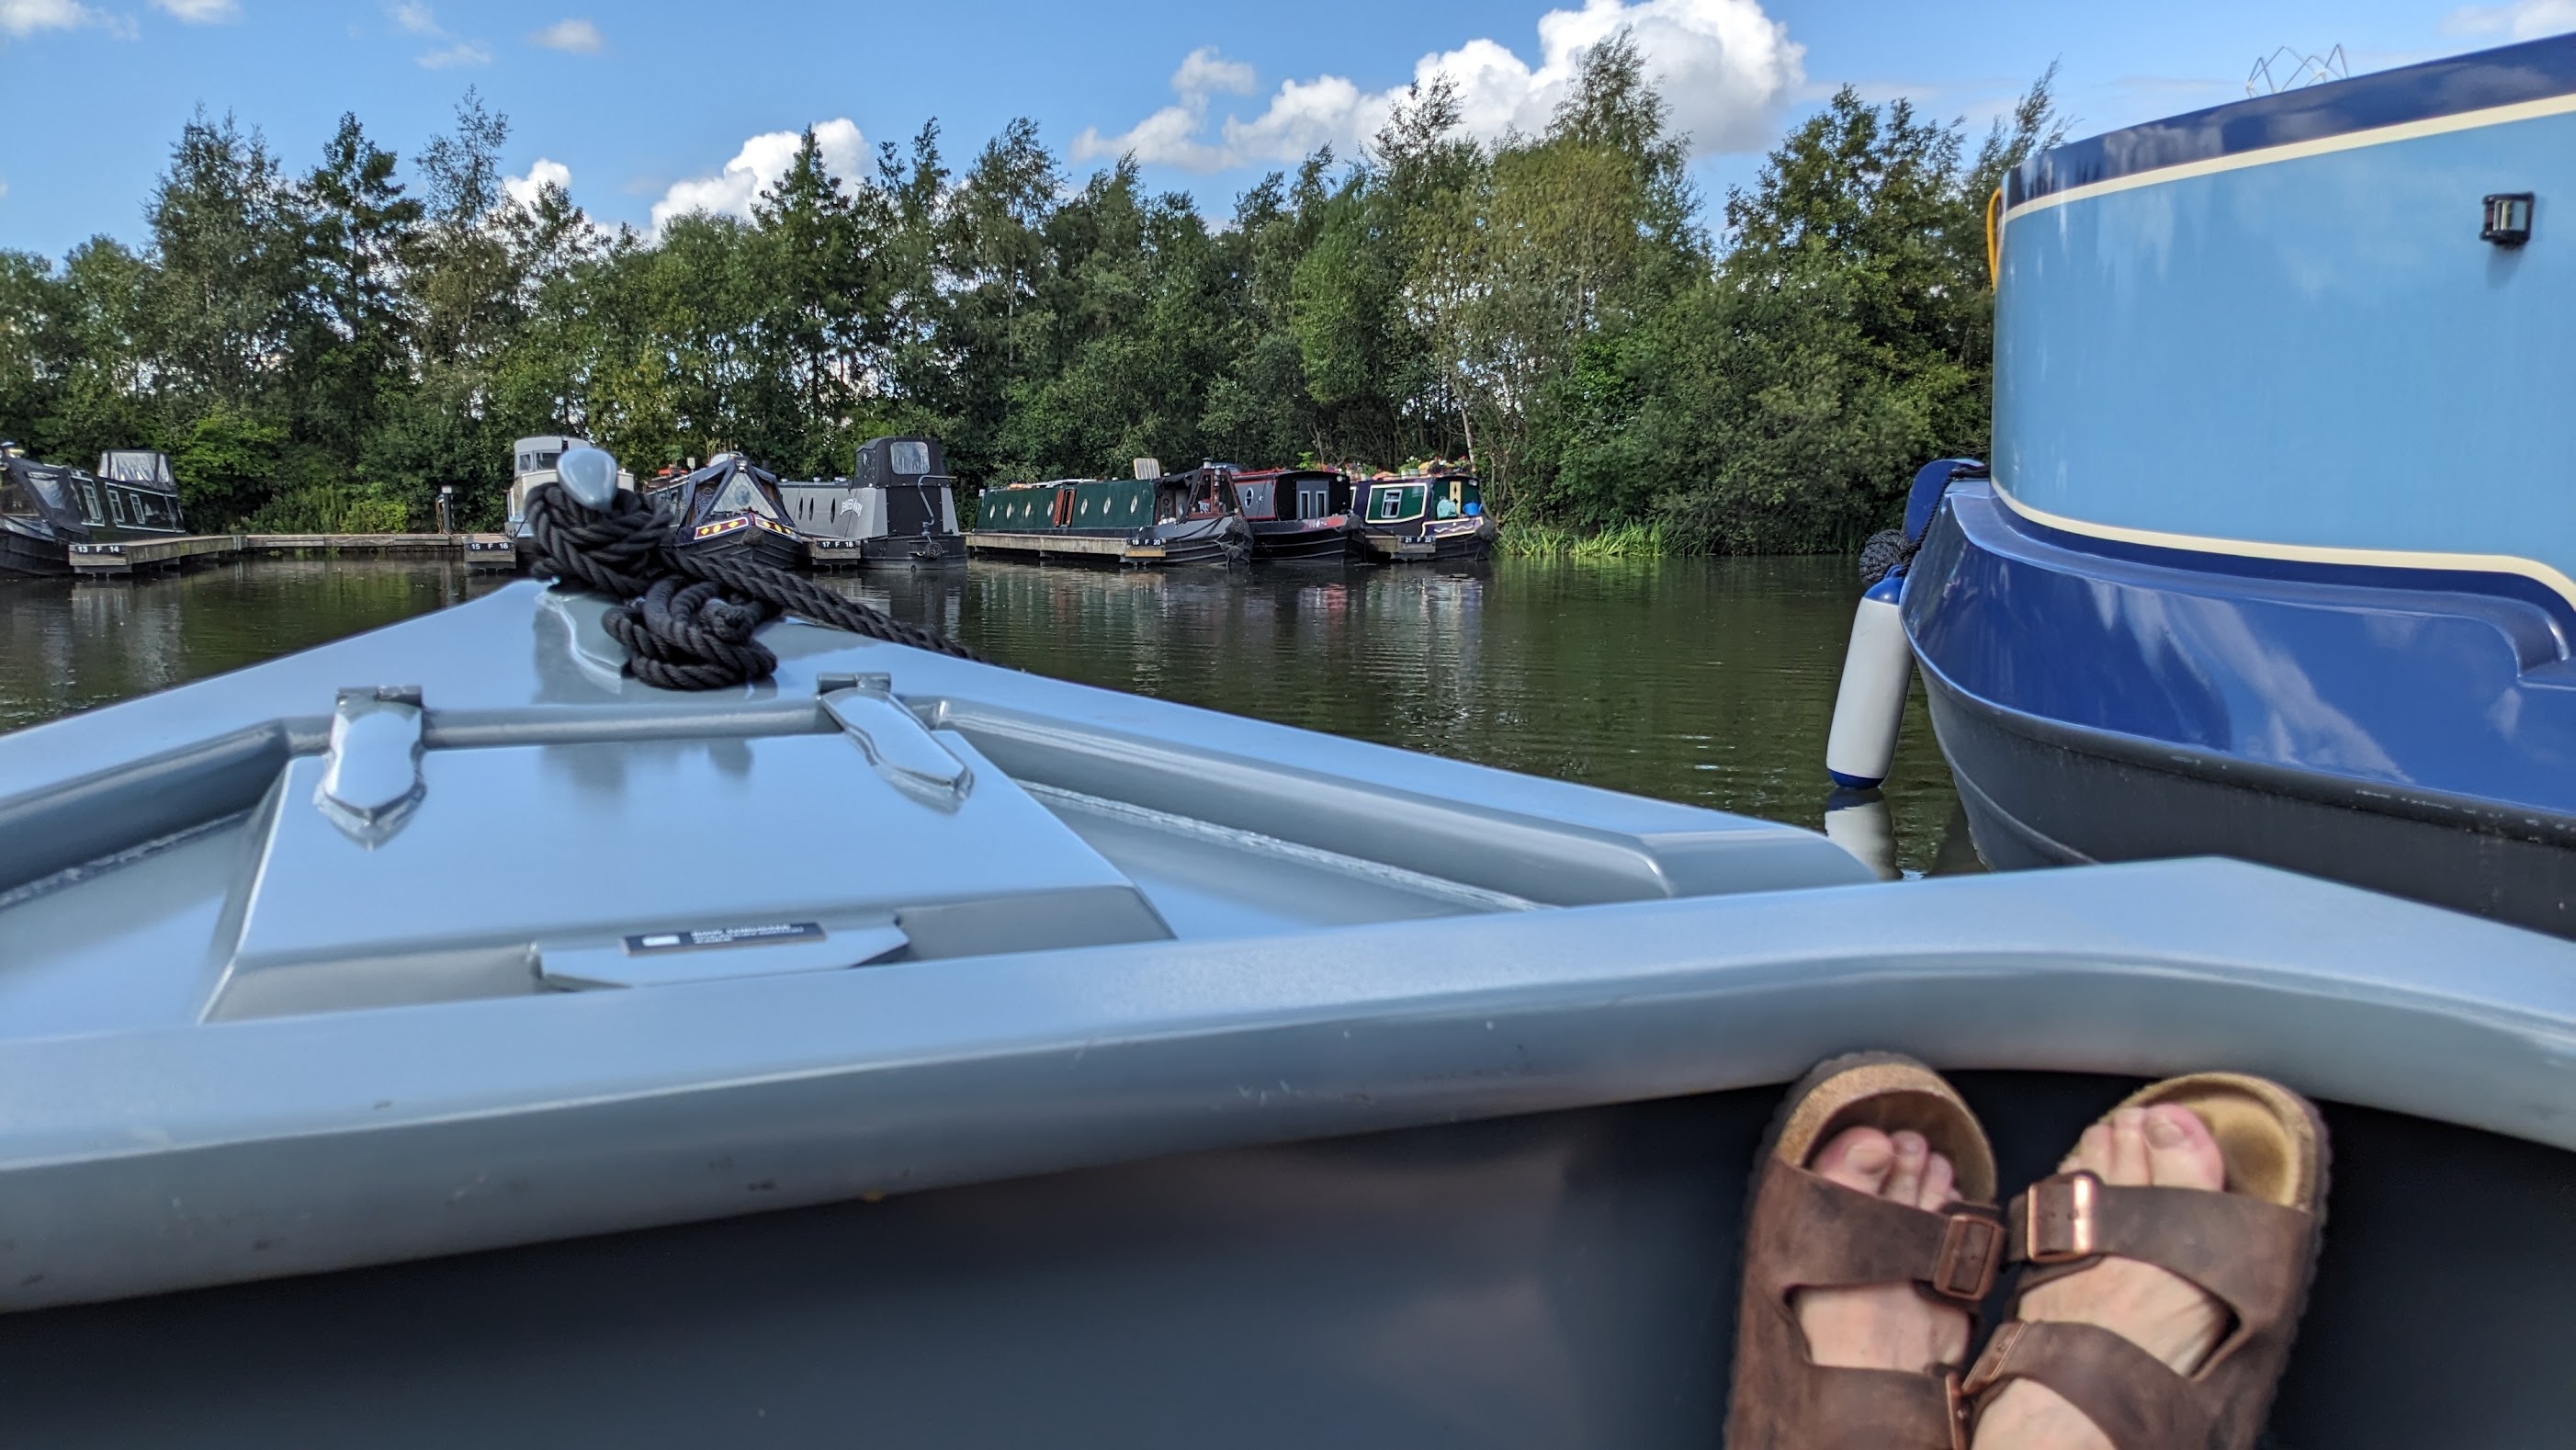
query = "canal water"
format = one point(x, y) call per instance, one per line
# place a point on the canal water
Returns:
point(1709, 681)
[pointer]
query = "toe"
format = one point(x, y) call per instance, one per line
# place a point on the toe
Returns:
point(2180, 1151)
point(2128, 1147)
point(1940, 1184)
point(1858, 1158)
point(1905, 1180)
point(2093, 1151)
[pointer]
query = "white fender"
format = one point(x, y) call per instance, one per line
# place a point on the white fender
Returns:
point(1877, 669)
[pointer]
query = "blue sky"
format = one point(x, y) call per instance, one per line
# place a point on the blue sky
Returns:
point(652, 104)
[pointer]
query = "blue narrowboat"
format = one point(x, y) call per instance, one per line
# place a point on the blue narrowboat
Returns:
point(2274, 558)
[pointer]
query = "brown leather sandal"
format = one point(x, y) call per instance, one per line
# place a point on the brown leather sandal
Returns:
point(2253, 1248)
point(1804, 1231)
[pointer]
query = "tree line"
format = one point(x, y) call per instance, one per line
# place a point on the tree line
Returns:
point(322, 350)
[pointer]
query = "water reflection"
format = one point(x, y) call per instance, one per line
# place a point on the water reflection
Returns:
point(1706, 681)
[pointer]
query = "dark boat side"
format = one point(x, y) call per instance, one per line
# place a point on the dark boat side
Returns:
point(1299, 513)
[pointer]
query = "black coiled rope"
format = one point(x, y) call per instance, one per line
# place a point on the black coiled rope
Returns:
point(687, 619)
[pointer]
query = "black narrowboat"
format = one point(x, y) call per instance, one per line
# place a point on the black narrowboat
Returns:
point(1174, 518)
point(1425, 518)
point(48, 508)
point(732, 506)
point(897, 507)
point(1299, 513)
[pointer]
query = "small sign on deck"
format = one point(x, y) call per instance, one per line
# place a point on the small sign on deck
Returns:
point(723, 936)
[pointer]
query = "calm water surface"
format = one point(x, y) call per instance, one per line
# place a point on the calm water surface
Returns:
point(1706, 681)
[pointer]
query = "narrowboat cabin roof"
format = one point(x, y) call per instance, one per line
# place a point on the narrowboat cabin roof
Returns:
point(138, 468)
point(729, 484)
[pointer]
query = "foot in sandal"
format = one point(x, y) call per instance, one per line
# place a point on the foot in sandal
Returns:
point(1885, 1326)
point(2160, 1312)
point(1871, 1239)
point(2173, 1253)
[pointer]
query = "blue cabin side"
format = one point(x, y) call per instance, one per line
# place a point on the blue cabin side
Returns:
point(2272, 330)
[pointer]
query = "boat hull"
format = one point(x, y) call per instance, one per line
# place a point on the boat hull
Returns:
point(1306, 540)
point(758, 545)
point(1437, 544)
point(20, 554)
point(2104, 708)
point(1223, 542)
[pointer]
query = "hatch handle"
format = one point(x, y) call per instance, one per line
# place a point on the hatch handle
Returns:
point(895, 741)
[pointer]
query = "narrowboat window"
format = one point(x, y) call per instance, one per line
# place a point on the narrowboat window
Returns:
point(116, 506)
point(1389, 505)
point(89, 502)
point(742, 496)
point(909, 455)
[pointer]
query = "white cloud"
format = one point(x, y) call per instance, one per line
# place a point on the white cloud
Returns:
point(463, 52)
point(575, 37)
point(1723, 65)
point(523, 189)
point(2521, 20)
point(26, 17)
point(201, 12)
point(415, 18)
point(4, 188)
point(761, 161)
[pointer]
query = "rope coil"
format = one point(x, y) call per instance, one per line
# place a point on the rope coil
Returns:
point(687, 619)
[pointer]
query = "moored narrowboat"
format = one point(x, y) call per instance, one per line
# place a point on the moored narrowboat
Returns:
point(1424, 518)
point(1299, 513)
point(898, 506)
point(1181, 518)
point(731, 506)
point(2275, 557)
point(48, 510)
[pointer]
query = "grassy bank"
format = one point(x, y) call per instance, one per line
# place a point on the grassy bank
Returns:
point(1554, 541)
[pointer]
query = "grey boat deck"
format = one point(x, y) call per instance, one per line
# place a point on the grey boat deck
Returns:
point(1271, 1089)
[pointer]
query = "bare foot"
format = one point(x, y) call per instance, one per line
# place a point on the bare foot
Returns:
point(1884, 1326)
point(2166, 1146)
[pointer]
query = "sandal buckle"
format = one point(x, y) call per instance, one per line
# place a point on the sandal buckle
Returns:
point(1963, 1415)
point(1971, 1252)
point(2061, 1218)
point(1989, 1368)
